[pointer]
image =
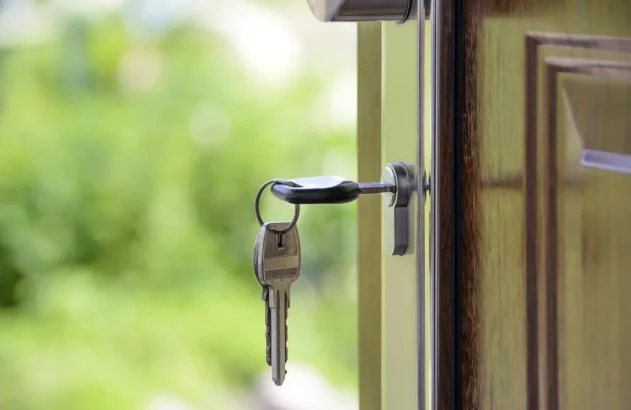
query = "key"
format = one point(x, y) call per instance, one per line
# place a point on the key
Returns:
point(278, 266)
point(327, 190)
point(264, 296)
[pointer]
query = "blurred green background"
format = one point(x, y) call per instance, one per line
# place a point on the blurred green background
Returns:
point(133, 138)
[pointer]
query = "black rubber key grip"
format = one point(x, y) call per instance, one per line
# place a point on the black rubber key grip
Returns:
point(317, 190)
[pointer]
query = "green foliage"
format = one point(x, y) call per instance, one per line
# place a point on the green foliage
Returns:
point(126, 222)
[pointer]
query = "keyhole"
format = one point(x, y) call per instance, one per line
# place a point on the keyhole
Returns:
point(281, 240)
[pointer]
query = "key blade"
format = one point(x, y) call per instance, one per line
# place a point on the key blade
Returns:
point(278, 307)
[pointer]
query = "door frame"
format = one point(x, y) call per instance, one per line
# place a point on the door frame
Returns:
point(393, 343)
point(369, 260)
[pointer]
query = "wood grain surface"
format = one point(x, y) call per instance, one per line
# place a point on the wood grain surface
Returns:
point(531, 247)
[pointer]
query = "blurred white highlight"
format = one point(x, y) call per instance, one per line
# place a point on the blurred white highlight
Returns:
point(265, 43)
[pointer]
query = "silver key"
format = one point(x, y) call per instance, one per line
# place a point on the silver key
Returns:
point(264, 296)
point(278, 266)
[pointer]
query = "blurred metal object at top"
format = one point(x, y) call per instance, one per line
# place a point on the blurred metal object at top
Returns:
point(363, 10)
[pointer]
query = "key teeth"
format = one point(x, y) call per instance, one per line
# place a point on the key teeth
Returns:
point(268, 349)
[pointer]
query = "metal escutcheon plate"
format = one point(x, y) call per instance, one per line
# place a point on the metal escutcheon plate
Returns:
point(396, 214)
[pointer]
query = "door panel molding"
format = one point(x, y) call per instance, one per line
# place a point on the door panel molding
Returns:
point(541, 315)
point(554, 67)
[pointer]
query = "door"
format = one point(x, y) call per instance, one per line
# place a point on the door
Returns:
point(532, 180)
point(393, 366)
point(524, 306)
point(392, 306)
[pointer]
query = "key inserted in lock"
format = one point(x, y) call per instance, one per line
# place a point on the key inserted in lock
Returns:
point(327, 190)
point(397, 185)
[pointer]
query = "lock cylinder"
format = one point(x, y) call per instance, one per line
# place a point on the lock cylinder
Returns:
point(363, 10)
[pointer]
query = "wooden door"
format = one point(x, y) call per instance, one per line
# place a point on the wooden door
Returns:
point(532, 191)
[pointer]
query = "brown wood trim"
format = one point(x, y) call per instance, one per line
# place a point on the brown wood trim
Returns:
point(601, 43)
point(534, 40)
point(554, 67)
point(550, 249)
point(604, 69)
point(369, 164)
point(467, 208)
point(530, 224)
point(455, 188)
point(442, 205)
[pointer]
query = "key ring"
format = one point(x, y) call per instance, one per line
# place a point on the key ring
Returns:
point(257, 202)
point(407, 12)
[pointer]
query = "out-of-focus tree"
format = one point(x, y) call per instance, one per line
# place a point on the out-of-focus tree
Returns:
point(128, 167)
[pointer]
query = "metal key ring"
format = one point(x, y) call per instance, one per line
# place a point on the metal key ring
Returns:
point(257, 202)
point(407, 12)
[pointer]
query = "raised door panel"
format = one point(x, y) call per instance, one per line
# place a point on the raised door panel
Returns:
point(539, 112)
point(587, 228)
